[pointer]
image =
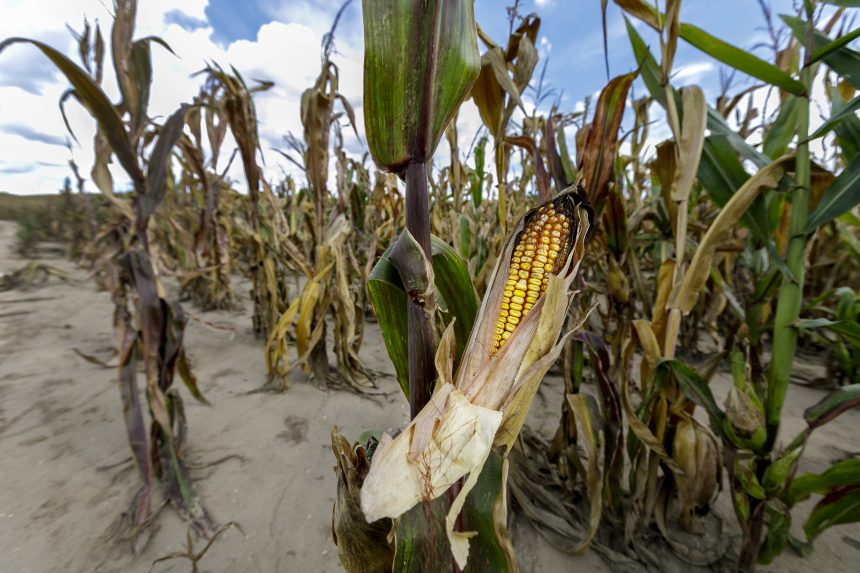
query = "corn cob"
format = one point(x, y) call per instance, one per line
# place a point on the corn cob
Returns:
point(541, 249)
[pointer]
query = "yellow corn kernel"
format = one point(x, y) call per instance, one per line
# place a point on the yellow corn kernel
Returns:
point(534, 257)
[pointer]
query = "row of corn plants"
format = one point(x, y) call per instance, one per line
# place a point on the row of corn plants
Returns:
point(671, 239)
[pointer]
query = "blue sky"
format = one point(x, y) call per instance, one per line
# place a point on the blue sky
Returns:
point(279, 40)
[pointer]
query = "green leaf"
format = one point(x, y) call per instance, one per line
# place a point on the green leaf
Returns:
point(778, 531)
point(477, 177)
point(842, 196)
point(94, 99)
point(822, 52)
point(832, 405)
point(455, 296)
point(784, 127)
point(421, 543)
point(850, 109)
point(845, 328)
point(485, 511)
point(420, 61)
point(696, 388)
point(843, 61)
point(842, 473)
point(722, 174)
point(648, 67)
point(741, 60)
point(718, 126)
point(388, 299)
point(454, 288)
point(840, 506)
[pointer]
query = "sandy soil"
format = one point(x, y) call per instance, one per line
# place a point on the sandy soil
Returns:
point(66, 474)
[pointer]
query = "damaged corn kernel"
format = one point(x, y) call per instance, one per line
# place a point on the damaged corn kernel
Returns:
point(541, 250)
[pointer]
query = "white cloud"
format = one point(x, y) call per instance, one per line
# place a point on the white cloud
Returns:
point(691, 73)
point(286, 51)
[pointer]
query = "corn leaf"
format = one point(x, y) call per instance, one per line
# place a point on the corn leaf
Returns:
point(832, 405)
point(598, 158)
point(455, 295)
point(784, 127)
point(649, 69)
point(823, 51)
point(699, 271)
point(696, 388)
point(722, 174)
point(158, 161)
point(486, 512)
point(839, 506)
point(650, 72)
point(689, 141)
point(587, 417)
point(844, 61)
point(850, 109)
point(644, 11)
point(96, 102)
point(842, 196)
point(420, 539)
point(741, 60)
point(840, 474)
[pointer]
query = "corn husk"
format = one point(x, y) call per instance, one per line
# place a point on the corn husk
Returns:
point(486, 402)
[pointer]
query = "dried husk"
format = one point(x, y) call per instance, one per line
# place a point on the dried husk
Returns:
point(487, 402)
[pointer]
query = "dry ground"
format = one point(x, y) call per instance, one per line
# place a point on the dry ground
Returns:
point(66, 474)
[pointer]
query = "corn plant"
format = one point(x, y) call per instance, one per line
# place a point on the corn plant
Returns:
point(208, 281)
point(761, 475)
point(330, 244)
point(148, 327)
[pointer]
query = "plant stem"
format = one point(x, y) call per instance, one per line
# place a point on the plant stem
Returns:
point(791, 291)
point(422, 344)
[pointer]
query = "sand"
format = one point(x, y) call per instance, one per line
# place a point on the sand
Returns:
point(66, 474)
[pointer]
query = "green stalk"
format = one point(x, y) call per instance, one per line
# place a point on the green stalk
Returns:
point(791, 290)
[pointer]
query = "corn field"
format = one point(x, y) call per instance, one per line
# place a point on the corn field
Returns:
point(571, 344)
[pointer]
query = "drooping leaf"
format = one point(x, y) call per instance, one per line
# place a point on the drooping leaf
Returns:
point(722, 174)
point(644, 11)
point(96, 102)
point(689, 142)
point(586, 416)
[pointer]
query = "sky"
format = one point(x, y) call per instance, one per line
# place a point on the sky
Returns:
point(279, 41)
